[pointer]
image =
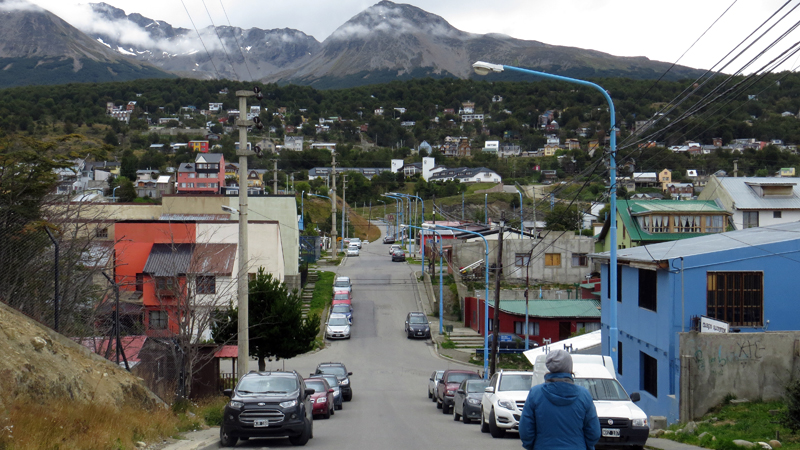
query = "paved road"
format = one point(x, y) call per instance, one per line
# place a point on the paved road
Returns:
point(390, 407)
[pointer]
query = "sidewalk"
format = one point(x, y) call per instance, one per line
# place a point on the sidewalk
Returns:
point(666, 444)
point(193, 440)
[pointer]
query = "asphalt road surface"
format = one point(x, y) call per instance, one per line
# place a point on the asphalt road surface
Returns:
point(390, 408)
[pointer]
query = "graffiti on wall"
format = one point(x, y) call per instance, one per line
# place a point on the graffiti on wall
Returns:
point(742, 352)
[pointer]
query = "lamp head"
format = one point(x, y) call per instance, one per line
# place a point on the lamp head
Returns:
point(485, 68)
point(229, 210)
point(428, 226)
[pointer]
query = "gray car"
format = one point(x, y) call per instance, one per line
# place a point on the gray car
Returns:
point(435, 378)
point(467, 400)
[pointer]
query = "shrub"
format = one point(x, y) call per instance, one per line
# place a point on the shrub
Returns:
point(791, 417)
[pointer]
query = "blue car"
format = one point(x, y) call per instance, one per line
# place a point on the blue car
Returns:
point(333, 381)
point(342, 308)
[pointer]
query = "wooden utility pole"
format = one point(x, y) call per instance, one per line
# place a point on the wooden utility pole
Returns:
point(497, 271)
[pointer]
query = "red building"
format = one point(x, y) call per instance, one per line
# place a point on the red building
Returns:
point(206, 175)
point(547, 319)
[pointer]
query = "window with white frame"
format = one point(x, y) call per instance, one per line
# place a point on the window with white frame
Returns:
point(533, 328)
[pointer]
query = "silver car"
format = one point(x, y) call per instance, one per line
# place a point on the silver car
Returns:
point(342, 284)
point(337, 327)
point(435, 378)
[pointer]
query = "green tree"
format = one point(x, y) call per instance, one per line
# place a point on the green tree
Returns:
point(563, 218)
point(277, 327)
point(127, 192)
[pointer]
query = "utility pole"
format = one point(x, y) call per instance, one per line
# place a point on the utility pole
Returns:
point(535, 230)
point(243, 336)
point(497, 272)
point(274, 177)
point(333, 206)
point(462, 207)
point(344, 206)
point(735, 168)
point(369, 218)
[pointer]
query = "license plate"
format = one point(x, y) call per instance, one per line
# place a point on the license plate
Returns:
point(260, 423)
point(610, 432)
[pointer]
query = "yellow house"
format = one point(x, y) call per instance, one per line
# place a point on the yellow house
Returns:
point(665, 178)
point(550, 149)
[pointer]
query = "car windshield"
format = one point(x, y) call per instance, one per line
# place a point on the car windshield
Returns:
point(459, 377)
point(336, 370)
point(341, 297)
point(439, 375)
point(476, 385)
point(332, 380)
point(418, 319)
point(267, 385)
point(337, 321)
point(515, 382)
point(342, 283)
point(341, 308)
point(603, 388)
point(317, 386)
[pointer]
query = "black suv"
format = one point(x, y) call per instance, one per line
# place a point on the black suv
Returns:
point(341, 373)
point(268, 404)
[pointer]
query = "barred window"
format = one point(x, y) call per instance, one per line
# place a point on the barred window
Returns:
point(736, 298)
point(206, 284)
point(158, 320)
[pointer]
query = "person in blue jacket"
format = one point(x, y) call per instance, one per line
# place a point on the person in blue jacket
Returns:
point(558, 414)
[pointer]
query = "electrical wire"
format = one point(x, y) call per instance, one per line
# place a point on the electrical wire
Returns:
point(201, 40)
point(222, 44)
point(247, 66)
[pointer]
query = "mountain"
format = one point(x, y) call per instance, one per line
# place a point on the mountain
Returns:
point(181, 52)
point(37, 47)
point(390, 41)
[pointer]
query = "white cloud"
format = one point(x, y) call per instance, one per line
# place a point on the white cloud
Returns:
point(18, 5)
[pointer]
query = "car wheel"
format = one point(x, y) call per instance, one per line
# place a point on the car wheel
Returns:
point(349, 397)
point(429, 394)
point(456, 415)
point(303, 438)
point(438, 404)
point(337, 407)
point(226, 439)
point(328, 414)
point(464, 419)
point(445, 409)
point(484, 425)
point(496, 431)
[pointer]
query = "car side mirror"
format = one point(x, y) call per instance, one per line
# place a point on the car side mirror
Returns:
point(635, 397)
point(349, 373)
point(311, 374)
point(489, 390)
point(330, 390)
point(460, 391)
point(309, 391)
point(228, 392)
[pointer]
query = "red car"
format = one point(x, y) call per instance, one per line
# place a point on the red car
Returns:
point(447, 386)
point(343, 295)
point(322, 398)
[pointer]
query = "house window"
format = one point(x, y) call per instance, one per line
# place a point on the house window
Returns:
point(522, 259)
point(714, 224)
point(688, 224)
point(165, 283)
point(101, 232)
point(191, 175)
point(552, 259)
point(580, 260)
point(533, 328)
point(776, 214)
point(201, 185)
point(619, 284)
point(158, 320)
point(749, 219)
point(736, 297)
point(191, 185)
point(139, 282)
point(619, 357)
point(648, 292)
point(649, 374)
point(588, 327)
point(206, 284)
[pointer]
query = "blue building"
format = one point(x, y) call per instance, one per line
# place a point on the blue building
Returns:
point(746, 278)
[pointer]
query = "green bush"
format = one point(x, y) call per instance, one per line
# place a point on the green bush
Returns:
point(791, 417)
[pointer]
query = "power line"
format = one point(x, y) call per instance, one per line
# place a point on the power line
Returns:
point(220, 41)
point(237, 41)
point(201, 40)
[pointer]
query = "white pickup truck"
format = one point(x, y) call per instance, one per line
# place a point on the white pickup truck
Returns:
point(502, 401)
point(622, 424)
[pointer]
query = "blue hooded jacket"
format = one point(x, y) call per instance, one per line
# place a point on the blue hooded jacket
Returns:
point(559, 415)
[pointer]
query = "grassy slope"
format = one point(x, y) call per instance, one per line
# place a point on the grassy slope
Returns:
point(320, 210)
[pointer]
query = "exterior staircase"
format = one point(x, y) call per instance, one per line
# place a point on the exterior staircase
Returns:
point(308, 292)
point(466, 338)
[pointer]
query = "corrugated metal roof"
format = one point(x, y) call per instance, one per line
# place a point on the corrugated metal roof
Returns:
point(552, 308)
point(712, 243)
point(214, 259)
point(745, 197)
point(168, 260)
point(195, 217)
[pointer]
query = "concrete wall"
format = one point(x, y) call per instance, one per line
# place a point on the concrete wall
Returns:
point(566, 245)
point(264, 242)
point(752, 366)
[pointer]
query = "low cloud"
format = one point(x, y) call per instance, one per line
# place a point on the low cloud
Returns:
point(18, 5)
point(391, 21)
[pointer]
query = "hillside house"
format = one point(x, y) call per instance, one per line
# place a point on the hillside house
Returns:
point(205, 176)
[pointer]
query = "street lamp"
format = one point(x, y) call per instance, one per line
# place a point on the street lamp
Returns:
point(521, 216)
point(397, 213)
point(441, 290)
point(114, 194)
point(302, 209)
point(484, 68)
point(408, 196)
point(486, 295)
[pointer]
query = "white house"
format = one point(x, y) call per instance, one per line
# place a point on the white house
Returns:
point(755, 201)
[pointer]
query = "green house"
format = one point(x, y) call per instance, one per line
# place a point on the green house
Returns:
point(641, 222)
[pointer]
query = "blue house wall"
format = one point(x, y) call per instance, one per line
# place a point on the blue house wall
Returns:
point(655, 333)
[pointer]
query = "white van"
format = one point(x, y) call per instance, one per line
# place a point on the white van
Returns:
point(622, 424)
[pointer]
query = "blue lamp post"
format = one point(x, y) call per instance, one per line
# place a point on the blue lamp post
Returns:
point(484, 68)
point(486, 295)
point(303, 211)
point(408, 196)
point(398, 211)
point(441, 291)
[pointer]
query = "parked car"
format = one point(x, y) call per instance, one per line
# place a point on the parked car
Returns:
point(503, 400)
point(467, 401)
point(337, 327)
point(352, 250)
point(322, 398)
point(417, 325)
point(268, 404)
point(355, 241)
point(398, 255)
point(342, 284)
point(388, 240)
point(436, 376)
point(446, 389)
point(343, 308)
point(343, 295)
point(342, 374)
point(393, 248)
point(333, 382)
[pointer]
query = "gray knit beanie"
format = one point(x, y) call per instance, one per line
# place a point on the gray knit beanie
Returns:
point(559, 361)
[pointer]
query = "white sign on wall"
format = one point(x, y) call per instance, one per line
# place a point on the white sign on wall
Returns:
point(709, 325)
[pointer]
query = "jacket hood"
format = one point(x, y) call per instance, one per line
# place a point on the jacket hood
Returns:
point(558, 393)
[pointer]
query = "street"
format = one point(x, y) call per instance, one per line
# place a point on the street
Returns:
point(390, 408)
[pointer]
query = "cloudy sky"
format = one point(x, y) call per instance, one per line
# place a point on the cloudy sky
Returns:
point(659, 30)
